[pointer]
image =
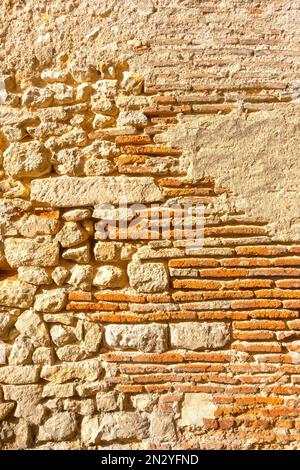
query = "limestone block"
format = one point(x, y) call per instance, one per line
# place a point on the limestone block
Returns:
point(37, 97)
point(68, 162)
point(62, 335)
point(26, 159)
point(108, 276)
point(71, 234)
point(80, 254)
point(147, 338)
point(124, 425)
point(19, 375)
point(59, 275)
point(132, 118)
point(59, 427)
point(96, 166)
point(35, 276)
point(107, 401)
point(50, 301)
point(106, 251)
point(30, 324)
point(195, 407)
point(67, 191)
point(41, 251)
point(27, 398)
point(6, 409)
point(147, 277)
point(14, 293)
point(58, 390)
point(82, 407)
point(42, 355)
point(21, 351)
point(196, 335)
point(81, 276)
point(162, 428)
point(88, 370)
point(76, 215)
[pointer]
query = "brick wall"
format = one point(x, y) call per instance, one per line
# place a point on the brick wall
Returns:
point(133, 342)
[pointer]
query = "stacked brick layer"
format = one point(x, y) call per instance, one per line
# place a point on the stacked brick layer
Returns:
point(140, 343)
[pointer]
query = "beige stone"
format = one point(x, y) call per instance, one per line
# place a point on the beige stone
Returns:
point(60, 275)
point(113, 426)
point(162, 428)
point(144, 402)
point(88, 370)
point(35, 276)
point(108, 276)
point(106, 251)
point(81, 276)
point(37, 97)
point(71, 353)
point(107, 401)
point(21, 351)
point(7, 321)
point(19, 375)
point(92, 336)
point(196, 407)
point(80, 254)
point(9, 188)
point(194, 335)
point(58, 390)
point(59, 427)
point(6, 409)
point(96, 166)
point(62, 335)
point(14, 293)
point(82, 407)
point(50, 301)
point(76, 215)
point(42, 355)
point(68, 162)
point(25, 252)
point(68, 191)
point(147, 277)
point(27, 398)
point(26, 159)
point(30, 324)
point(147, 338)
point(71, 234)
point(132, 118)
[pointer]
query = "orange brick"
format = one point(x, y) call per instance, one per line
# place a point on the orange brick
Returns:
point(291, 304)
point(47, 214)
point(92, 306)
point(172, 192)
point(246, 262)
point(234, 230)
point(164, 358)
point(117, 297)
point(277, 293)
point(206, 357)
point(116, 318)
point(287, 261)
point(182, 296)
point(161, 298)
point(80, 295)
point(154, 388)
point(196, 284)
point(260, 250)
point(198, 368)
point(272, 313)
point(163, 316)
point(271, 347)
point(243, 304)
point(224, 272)
point(193, 263)
point(222, 315)
point(130, 388)
point(190, 388)
point(259, 325)
point(247, 284)
point(288, 283)
point(253, 335)
point(133, 139)
point(150, 150)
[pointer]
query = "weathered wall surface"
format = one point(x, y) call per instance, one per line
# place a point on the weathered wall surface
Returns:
point(142, 343)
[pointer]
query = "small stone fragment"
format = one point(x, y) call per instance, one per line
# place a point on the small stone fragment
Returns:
point(50, 301)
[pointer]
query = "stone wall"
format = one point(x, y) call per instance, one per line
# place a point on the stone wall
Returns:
point(138, 341)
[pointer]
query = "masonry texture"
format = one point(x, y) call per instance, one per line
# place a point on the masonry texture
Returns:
point(143, 343)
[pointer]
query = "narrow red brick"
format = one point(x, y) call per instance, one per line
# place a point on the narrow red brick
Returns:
point(255, 303)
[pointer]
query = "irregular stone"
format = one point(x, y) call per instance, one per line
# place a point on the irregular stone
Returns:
point(68, 162)
point(37, 97)
point(33, 225)
point(35, 276)
point(147, 277)
point(80, 254)
point(6, 409)
point(71, 234)
point(52, 76)
point(25, 252)
point(63, 318)
point(75, 137)
point(58, 390)
point(15, 293)
point(26, 159)
point(101, 149)
point(162, 428)
point(67, 191)
point(106, 87)
point(101, 121)
point(196, 335)
point(76, 215)
point(90, 389)
point(97, 167)
point(132, 118)
point(30, 324)
point(81, 277)
point(62, 335)
point(85, 370)
point(146, 338)
point(27, 398)
point(92, 336)
point(107, 401)
point(10, 188)
point(4, 352)
point(103, 105)
point(71, 353)
point(196, 407)
point(59, 427)
point(10, 212)
point(21, 351)
point(7, 321)
point(19, 375)
point(144, 402)
point(106, 251)
point(108, 276)
point(50, 301)
point(60, 275)
point(63, 94)
point(82, 407)
point(42, 355)
point(114, 426)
